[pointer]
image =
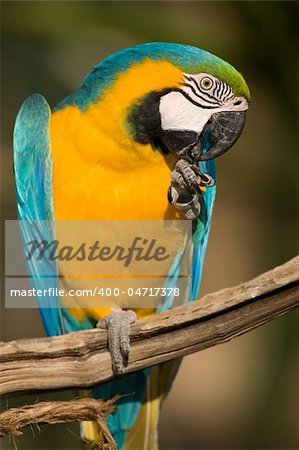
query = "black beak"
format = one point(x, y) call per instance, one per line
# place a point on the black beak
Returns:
point(225, 128)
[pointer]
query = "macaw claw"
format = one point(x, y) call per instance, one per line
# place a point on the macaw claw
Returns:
point(185, 190)
point(204, 179)
point(118, 325)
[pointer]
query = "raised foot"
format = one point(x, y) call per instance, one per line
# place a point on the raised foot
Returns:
point(118, 325)
point(185, 189)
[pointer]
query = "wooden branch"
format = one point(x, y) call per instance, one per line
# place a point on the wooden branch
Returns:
point(81, 359)
point(14, 419)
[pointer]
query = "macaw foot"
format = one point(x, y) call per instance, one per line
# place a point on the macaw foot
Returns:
point(186, 181)
point(118, 325)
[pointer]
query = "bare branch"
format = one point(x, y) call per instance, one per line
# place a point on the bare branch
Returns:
point(81, 359)
point(14, 419)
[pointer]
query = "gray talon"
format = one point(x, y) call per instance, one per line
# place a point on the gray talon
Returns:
point(118, 325)
point(184, 192)
point(206, 180)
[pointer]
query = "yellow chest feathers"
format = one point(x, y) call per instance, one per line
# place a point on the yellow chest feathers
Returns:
point(99, 172)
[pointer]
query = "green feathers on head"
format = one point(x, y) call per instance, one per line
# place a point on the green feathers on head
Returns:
point(227, 73)
point(195, 60)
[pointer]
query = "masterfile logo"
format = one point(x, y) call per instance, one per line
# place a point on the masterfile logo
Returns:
point(139, 250)
point(97, 263)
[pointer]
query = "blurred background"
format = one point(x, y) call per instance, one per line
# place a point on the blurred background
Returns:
point(243, 394)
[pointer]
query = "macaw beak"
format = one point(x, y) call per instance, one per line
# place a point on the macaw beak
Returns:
point(225, 128)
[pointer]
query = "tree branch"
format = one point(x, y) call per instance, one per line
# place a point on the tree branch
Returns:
point(14, 419)
point(81, 359)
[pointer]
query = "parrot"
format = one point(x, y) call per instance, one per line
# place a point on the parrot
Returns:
point(136, 141)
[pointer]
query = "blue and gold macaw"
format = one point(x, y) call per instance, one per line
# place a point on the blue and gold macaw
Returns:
point(136, 141)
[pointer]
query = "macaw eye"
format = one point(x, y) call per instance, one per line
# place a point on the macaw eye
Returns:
point(206, 83)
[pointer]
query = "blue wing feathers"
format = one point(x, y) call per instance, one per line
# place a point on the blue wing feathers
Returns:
point(32, 165)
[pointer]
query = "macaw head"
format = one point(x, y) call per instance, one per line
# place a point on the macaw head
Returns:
point(171, 96)
point(210, 99)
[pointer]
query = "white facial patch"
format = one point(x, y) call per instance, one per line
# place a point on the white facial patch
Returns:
point(178, 113)
point(192, 105)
